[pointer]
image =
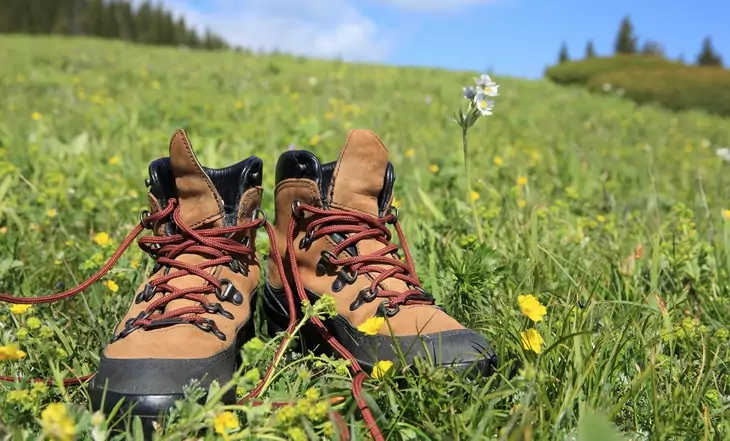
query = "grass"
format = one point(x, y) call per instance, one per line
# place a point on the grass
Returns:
point(611, 214)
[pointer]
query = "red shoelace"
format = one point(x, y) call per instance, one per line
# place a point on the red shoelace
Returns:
point(355, 227)
point(215, 243)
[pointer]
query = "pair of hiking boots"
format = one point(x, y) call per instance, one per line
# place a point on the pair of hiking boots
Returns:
point(331, 235)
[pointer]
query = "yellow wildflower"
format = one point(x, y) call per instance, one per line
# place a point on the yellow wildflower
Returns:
point(522, 181)
point(114, 160)
point(329, 115)
point(112, 285)
point(726, 214)
point(498, 161)
point(521, 203)
point(314, 140)
point(532, 340)
point(371, 326)
point(433, 168)
point(134, 263)
point(20, 309)
point(473, 195)
point(601, 218)
point(396, 202)
point(3, 230)
point(410, 153)
point(102, 239)
point(18, 396)
point(34, 323)
point(36, 116)
point(531, 307)
point(381, 368)
point(239, 105)
point(56, 422)
point(51, 213)
point(225, 422)
point(11, 352)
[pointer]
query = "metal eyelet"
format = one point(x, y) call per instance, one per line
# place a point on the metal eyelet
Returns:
point(306, 241)
point(366, 295)
point(295, 210)
point(385, 309)
point(344, 277)
point(208, 325)
point(143, 215)
point(146, 294)
point(229, 293)
point(258, 213)
point(395, 212)
point(217, 308)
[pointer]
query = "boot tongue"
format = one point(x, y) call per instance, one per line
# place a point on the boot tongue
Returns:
point(360, 174)
point(200, 203)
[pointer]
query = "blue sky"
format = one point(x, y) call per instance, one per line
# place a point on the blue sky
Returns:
point(514, 37)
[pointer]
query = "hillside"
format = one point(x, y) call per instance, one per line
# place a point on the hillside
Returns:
point(610, 213)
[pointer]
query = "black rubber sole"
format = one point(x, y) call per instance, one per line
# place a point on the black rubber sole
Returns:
point(152, 408)
point(310, 339)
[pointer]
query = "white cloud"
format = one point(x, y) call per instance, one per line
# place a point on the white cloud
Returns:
point(434, 5)
point(316, 28)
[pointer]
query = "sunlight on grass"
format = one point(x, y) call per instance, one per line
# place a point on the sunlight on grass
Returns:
point(602, 281)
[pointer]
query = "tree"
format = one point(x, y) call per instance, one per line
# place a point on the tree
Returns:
point(590, 50)
point(652, 48)
point(563, 54)
point(626, 40)
point(708, 56)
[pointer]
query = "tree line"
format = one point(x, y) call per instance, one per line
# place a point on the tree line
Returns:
point(627, 43)
point(148, 23)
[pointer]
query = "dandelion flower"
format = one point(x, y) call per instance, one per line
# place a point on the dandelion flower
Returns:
point(532, 340)
point(56, 422)
point(726, 214)
point(102, 239)
point(498, 161)
point(114, 160)
point(371, 326)
point(531, 307)
point(521, 181)
point(225, 422)
point(36, 116)
point(51, 213)
point(410, 153)
point(381, 368)
point(20, 309)
point(11, 352)
point(112, 285)
point(433, 168)
point(473, 195)
point(522, 203)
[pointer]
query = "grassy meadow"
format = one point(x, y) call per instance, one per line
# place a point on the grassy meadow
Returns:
point(611, 214)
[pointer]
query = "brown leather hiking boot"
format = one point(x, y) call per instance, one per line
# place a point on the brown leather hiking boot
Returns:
point(189, 319)
point(332, 230)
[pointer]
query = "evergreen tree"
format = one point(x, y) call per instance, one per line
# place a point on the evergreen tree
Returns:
point(590, 50)
point(563, 54)
point(626, 40)
point(103, 18)
point(652, 48)
point(708, 56)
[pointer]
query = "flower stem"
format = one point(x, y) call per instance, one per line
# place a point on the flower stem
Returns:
point(477, 223)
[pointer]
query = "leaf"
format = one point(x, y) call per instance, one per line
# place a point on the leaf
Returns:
point(428, 202)
point(596, 427)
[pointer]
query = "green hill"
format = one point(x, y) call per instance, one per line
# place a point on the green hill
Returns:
point(610, 213)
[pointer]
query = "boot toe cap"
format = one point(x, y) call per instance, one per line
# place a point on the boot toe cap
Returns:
point(461, 349)
point(148, 387)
